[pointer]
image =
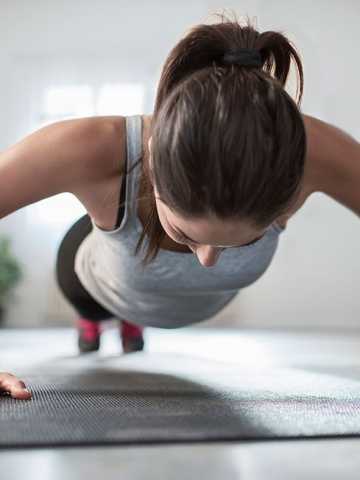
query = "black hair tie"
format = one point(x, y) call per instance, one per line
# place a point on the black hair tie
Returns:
point(247, 57)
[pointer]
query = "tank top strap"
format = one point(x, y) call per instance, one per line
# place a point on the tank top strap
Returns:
point(134, 153)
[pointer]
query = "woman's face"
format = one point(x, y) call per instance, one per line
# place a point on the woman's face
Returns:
point(206, 237)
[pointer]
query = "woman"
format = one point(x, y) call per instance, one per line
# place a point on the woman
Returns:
point(212, 178)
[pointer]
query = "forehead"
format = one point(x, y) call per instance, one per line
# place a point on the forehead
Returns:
point(211, 230)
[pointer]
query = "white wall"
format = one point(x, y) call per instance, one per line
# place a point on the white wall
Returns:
point(313, 280)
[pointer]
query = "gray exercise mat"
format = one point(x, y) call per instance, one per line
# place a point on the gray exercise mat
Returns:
point(147, 398)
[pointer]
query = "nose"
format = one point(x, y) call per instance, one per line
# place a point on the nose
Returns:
point(206, 255)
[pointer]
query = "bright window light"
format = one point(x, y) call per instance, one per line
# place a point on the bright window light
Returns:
point(120, 98)
point(57, 211)
point(71, 100)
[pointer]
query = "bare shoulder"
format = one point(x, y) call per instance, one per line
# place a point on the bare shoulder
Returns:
point(99, 184)
point(332, 153)
point(100, 148)
point(333, 158)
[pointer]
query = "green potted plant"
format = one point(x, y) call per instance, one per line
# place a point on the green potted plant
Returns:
point(10, 273)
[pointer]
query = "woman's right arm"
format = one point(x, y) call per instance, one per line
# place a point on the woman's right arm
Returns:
point(67, 156)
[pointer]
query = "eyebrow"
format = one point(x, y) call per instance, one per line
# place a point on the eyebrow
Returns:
point(228, 246)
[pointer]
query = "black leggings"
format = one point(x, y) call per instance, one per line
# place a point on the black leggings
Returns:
point(67, 279)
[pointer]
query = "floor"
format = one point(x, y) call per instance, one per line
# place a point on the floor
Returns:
point(249, 460)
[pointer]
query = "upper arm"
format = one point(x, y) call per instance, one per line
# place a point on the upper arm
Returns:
point(56, 158)
point(334, 158)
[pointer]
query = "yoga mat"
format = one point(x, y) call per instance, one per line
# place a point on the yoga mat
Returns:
point(164, 398)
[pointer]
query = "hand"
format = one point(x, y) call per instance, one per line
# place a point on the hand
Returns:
point(10, 385)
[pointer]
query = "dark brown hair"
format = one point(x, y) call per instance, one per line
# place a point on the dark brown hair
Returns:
point(227, 140)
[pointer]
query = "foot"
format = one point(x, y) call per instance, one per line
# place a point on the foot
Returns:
point(131, 337)
point(89, 335)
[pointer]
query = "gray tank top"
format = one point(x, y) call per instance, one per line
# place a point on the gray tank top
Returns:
point(174, 290)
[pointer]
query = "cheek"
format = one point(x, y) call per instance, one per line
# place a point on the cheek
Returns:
point(168, 232)
point(170, 235)
point(163, 222)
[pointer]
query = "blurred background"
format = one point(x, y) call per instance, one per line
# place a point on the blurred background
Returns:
point(66, 59)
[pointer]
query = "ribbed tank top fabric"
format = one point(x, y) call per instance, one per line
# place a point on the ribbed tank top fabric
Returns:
point(175, 290)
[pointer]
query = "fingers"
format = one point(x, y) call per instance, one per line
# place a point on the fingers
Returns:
point(9, 384)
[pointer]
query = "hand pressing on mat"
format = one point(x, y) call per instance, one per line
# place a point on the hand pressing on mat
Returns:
point(10, 385)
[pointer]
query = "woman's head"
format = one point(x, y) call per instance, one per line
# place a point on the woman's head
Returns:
point(206, 236)
point(228, 143)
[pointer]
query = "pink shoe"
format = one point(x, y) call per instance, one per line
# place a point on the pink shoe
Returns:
point(131, 337)
point(89, 335)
